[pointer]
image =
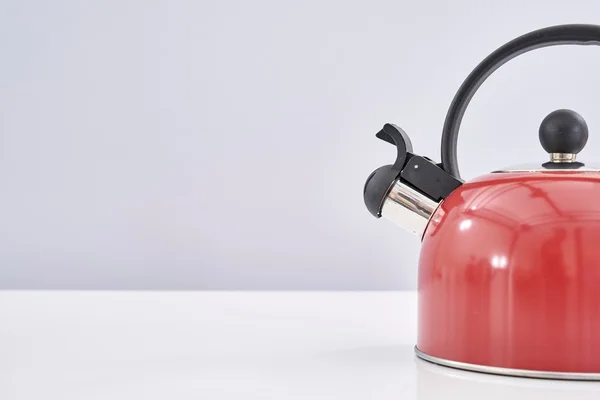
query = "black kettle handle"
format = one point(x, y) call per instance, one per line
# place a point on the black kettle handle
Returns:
point(554, 35)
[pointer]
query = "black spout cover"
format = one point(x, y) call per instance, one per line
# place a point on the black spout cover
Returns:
point(429, 178)
point(419, 172)
point(377, 187)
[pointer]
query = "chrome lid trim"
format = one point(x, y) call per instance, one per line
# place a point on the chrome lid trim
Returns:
point(521, 373)
point(551, 167)
point(547, 170)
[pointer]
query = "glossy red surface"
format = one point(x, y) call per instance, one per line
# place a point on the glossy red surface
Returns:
point(509, 273)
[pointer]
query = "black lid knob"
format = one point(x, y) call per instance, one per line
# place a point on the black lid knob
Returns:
point(563, 132)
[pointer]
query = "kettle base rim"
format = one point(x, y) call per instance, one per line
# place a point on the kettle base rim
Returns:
point(512, 372)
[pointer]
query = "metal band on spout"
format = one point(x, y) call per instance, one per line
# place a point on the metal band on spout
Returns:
point(408, 208)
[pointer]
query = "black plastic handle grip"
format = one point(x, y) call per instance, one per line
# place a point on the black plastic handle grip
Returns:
point(554, 35)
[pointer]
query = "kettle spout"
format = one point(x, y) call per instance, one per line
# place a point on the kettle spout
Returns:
point(398, 202)
point(409, 191)
point(408, 208)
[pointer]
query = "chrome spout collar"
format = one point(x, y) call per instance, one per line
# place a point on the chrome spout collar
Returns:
point(408, 208)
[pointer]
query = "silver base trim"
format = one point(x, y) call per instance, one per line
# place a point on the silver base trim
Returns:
point(522, 373)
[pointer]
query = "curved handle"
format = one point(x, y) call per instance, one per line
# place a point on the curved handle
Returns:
point(554, 35)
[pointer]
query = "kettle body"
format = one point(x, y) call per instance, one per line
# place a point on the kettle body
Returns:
point(509, 273)
point(509, 267)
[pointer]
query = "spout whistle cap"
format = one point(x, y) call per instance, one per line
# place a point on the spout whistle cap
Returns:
point(381, 180)
point(377, 187)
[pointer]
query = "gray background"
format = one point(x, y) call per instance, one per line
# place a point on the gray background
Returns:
point(224, 144)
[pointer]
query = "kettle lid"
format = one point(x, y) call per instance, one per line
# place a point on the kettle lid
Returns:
point(563, 134)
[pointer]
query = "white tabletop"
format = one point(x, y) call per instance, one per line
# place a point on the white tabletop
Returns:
point(233, 345)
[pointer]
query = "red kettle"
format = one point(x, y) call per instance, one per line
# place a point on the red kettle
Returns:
point(509, 269)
